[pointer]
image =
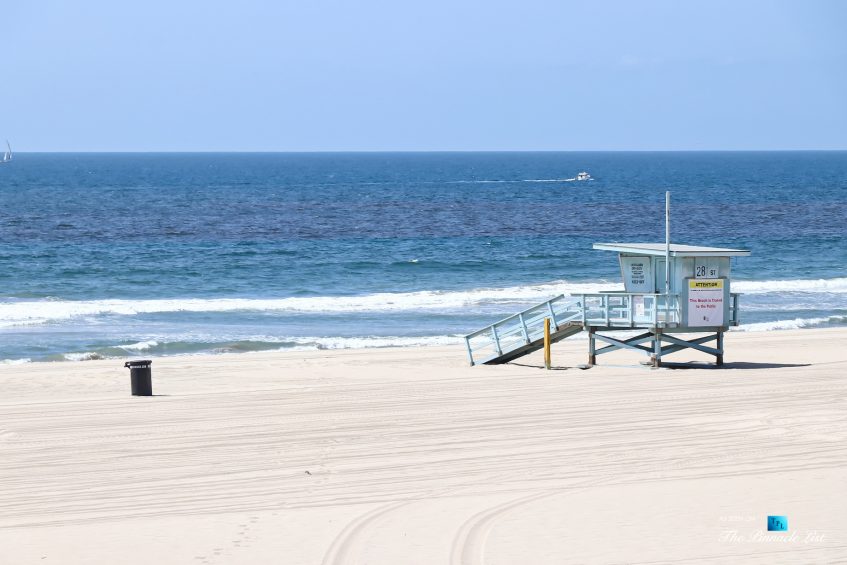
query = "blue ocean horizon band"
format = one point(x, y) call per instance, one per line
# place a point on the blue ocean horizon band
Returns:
point(777, 523)
point(124, 255)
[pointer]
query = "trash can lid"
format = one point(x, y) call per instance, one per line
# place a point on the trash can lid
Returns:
point(139, 363)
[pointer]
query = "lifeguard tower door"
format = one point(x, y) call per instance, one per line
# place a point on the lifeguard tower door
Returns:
point(659, 273)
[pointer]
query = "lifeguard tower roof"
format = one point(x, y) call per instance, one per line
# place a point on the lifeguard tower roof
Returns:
point(677, 250)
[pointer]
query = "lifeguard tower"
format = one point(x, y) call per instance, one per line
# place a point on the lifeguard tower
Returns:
point(669, 289)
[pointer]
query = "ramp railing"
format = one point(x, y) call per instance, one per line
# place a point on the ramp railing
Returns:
point(522, 328)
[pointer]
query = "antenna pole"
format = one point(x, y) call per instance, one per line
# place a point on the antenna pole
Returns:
point(667, 242)
point(667, 256)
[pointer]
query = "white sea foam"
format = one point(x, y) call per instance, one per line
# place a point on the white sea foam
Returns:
point(494, 181)
point(27, 313)
point(15, 361)
point(303, 342)
point(82, 356)
point(795, 324)
point(373, 341)
point(21, 313)
point(140, 346)
point(217, 344)
point(834, 286)
point(481, 181)
point(549, 180)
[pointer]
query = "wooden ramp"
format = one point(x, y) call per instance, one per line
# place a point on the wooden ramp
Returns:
point(523, 332)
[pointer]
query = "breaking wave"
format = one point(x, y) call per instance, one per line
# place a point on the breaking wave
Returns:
point(795, 324)
point(24, 313)
point(200, 345)
point(834, 286)
point(46, 311)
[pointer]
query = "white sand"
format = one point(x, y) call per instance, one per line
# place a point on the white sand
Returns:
point(413, 457)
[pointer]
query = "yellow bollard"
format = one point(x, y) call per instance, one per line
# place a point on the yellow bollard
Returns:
point(547, 343)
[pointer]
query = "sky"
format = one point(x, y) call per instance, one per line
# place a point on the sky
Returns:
point(431, 75)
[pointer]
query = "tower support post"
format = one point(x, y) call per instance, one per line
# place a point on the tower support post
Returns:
point(657, 349)
point(592, 356)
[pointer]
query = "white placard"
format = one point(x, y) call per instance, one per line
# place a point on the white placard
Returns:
point(638, 303)
point(637, 275)
point(705, 302)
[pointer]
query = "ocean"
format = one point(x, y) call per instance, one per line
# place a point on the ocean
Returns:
point(110, 255)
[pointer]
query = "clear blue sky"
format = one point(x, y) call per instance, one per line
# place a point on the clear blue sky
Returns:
point(252, 75)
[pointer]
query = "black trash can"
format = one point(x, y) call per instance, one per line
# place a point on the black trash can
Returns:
point(139, 374)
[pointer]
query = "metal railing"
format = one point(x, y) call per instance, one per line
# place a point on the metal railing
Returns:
point(522, 328)
point(600, 310)
point(733, 308)
point(630, 309)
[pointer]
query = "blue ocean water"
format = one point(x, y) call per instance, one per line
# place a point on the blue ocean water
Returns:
point(115, 254)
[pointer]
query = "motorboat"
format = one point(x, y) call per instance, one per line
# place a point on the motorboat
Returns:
point(583, 176)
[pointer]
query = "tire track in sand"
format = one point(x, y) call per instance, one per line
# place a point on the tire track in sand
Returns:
point(469, 543)
point(345, 542)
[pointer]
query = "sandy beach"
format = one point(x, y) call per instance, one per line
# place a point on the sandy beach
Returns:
point(402, 456)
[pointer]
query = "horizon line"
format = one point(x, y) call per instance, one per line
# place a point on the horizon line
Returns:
point(367, 151)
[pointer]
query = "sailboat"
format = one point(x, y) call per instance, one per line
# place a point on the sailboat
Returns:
point(7, 156)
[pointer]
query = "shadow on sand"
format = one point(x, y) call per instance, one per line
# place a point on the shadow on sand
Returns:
point(736, 365)
point(688, 365)
point(580, 367)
